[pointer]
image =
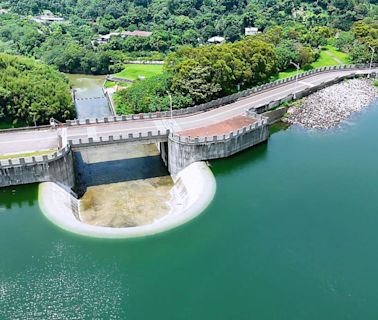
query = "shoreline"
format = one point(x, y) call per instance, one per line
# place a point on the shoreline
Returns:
point(331, 106)
point(195, 184)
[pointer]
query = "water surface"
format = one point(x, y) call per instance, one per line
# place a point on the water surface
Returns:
point(291, 234)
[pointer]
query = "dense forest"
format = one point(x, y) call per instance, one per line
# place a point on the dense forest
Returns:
point(173, 22)
point(194, 72)
point(197, 75)
point(31, 92)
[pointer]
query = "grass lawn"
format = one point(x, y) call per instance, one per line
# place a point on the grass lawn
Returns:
point(344, 57)
point(29, 154)
point(133, 71)
point(325, 59)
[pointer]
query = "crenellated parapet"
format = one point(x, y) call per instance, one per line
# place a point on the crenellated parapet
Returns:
point(55, 167)
point(184, 150)
point(132, 138)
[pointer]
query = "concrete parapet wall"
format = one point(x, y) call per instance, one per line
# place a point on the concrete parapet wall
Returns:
point(57, 167)
point(136, 138)
point(183, 151)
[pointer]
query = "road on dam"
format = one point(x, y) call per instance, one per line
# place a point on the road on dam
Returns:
point(22, 141)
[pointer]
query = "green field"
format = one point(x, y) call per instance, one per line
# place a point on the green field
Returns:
point(328, 57)
point(134, 71)
point(344, 57)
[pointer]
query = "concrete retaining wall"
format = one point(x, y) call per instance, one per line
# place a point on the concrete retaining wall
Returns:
point(156, 62)
point(57, 167)
point(184, 151)
point(275, 115)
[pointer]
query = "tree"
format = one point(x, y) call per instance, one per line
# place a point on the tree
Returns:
point(32, 92)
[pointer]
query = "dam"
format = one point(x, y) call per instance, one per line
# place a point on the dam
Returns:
point(232, 128)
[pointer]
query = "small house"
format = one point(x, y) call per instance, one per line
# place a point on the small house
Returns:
point(47, 18)
point(251, 31)
point(216, 39)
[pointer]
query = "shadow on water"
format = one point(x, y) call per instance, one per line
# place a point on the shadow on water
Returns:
point(240, 160)
point(248, 156)
point(114, 171)
point(278, 126)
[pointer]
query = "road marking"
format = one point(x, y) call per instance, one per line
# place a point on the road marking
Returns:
point(307, 83)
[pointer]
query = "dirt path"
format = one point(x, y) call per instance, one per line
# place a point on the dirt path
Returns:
point(336, 59)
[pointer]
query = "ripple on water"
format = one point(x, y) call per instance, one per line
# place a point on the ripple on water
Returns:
point(59, 288)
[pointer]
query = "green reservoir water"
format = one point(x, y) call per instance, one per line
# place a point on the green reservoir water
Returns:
point(291, 234)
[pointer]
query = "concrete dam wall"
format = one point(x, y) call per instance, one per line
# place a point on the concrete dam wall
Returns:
point(183, 151)
point(57, 167)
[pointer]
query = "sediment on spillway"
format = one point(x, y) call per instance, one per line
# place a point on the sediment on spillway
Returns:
point(329, 107)
point(193, 190)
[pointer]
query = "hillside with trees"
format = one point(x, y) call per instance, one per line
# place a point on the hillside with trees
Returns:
point(194, 71)
point(198, 75)
point(174, 23)
point(31, 92)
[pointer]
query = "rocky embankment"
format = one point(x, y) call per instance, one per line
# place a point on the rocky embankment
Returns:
point(330, 106)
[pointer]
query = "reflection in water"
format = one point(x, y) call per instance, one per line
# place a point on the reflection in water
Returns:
point(9, 198)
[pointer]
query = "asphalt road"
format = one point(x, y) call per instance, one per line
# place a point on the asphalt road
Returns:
point(32, 140)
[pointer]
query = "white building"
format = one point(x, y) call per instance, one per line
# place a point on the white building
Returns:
point(106, 37)
point(216, 39)
point(251, 31)
point(47, 18)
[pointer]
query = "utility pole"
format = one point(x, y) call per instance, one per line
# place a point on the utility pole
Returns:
point(296, 77)
point(171, 108)
point(170, 104)
point(371, 60)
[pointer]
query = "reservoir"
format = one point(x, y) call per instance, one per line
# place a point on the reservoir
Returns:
point(290, 234)
point(90, 101)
